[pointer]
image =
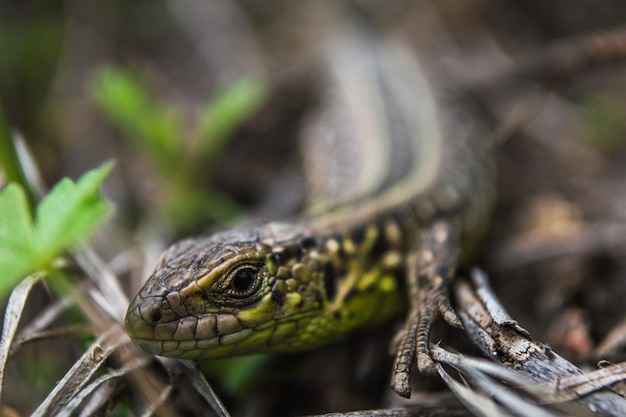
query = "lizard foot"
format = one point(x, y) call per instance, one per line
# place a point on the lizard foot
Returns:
point(431, 266)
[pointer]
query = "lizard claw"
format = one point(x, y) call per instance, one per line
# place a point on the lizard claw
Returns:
point(430, 269)
point(433, 299)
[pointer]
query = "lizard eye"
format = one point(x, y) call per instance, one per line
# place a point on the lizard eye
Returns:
point(244, 282)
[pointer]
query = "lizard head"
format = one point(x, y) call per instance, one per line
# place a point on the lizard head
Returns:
point(238, 292)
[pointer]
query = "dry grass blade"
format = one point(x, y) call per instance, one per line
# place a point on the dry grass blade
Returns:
point(79, 374)
point(560, 390)
point(485, 367)
point(615, 340)
point(158, 401)
point(491, 329)
point(479, 403)
point(34, 330)
point(63, 332)
point(113, 298)
point(579, 385)
point(201, 385)
point(488, 398)
point(403, 412)
point(15, 308)
point(77, 399)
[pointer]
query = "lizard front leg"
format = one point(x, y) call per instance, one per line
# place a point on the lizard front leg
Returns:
point(430, 267)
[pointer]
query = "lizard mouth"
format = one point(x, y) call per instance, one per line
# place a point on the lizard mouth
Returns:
point(206, 335)
point(216, 347)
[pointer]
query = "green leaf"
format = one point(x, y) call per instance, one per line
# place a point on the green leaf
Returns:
point(65, 217)
point(16, 237)
point(71, 211)
point(227, 111)
point(15, 223)
point(156, 128)
point(119, 94)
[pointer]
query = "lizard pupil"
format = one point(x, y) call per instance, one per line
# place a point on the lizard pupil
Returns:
point(244, 280)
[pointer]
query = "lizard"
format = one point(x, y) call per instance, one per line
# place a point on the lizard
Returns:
point(401, 182)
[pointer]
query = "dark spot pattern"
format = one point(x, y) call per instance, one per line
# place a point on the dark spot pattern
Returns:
point(358, 234)
point(380, 246)
point(330, 283)
point(308, 242)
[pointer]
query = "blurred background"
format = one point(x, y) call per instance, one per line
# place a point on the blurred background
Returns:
point(201, 103)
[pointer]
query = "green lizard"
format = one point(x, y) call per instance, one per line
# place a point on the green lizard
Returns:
point(400, 178)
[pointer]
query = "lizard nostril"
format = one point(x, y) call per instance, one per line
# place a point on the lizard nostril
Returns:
point(140, 318)
point(150, 310)
point(156, 316)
